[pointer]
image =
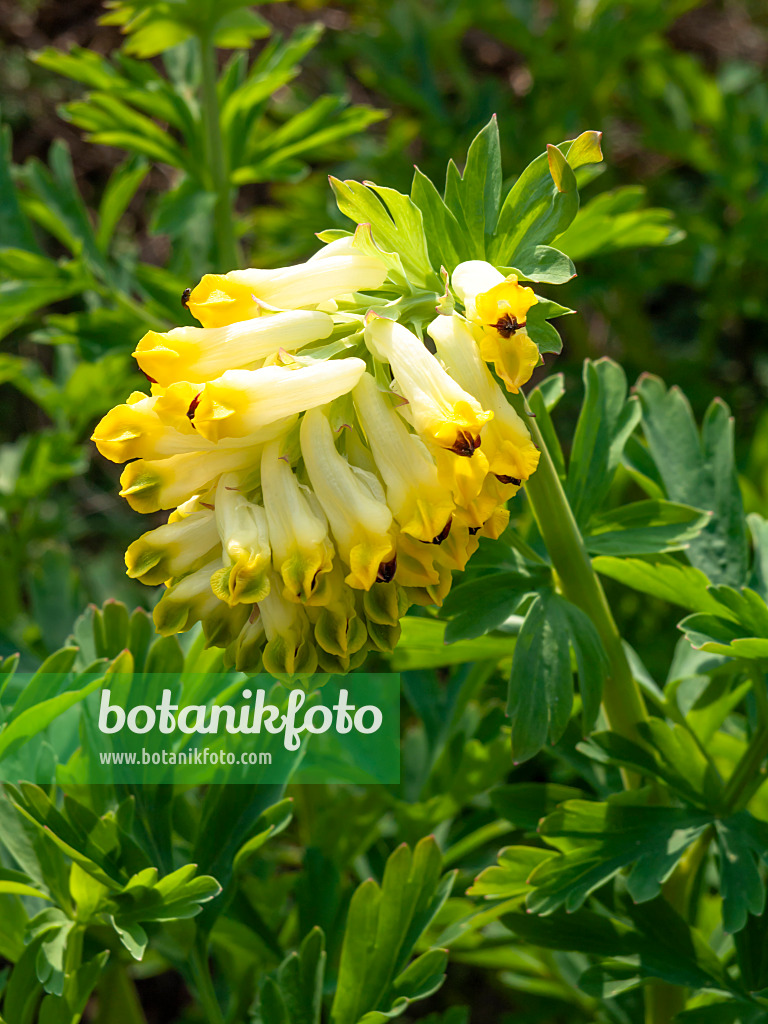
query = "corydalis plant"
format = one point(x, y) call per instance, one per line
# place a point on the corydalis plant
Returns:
point(332, 441)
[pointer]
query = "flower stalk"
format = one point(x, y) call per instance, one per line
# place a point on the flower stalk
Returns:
point(622, 700)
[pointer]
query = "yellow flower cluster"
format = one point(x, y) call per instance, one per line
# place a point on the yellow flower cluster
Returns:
point(325, 467)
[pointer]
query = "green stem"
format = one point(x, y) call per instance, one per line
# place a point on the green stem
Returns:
point(622, 700)
point(204, 984)
point(663, 1002)
point(228, 250)
point(747, 776)
point(119, 1001)
point(623, 703)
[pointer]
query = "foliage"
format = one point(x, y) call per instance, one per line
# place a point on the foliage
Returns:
point(581, 829)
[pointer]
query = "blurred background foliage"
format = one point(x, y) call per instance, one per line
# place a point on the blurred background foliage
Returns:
point(120, 164)
point(114, 174)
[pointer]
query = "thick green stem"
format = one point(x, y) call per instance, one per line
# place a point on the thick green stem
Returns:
point(228, 250)
point(204, 985)
point(622, 701)
point(663, 1001)
point(118, 1001)
point(747, 776)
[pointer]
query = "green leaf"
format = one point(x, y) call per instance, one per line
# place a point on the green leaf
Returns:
point(524, 804)
point(751, 944)
point(737, 627)
point(510, 877)
point(644, 527)
point(758, 581)
point(396, 223)
point(422, 645)
point(742, 841)
point(13, 921)
point(15, 230)
point(238, 29)
point(294, 995)
point(616, 220)
point(55, 202)
point(474, 198)
point(733, 1011)
point(32, 282)
point(132, 936)
point(545, 265)
point(661, 576)
point(35, 719)
point(541, 681)
point(445, 241)
point(604, 838)
point(383, 925)
point(659, 940)
point(481, 605)
point(16, 883)
point(271, 823)
point(23, 991)
point(79, 987)
point(699, 471)
point(606, 420)
point(670, 755)
point(535, 212)
point(122, 186)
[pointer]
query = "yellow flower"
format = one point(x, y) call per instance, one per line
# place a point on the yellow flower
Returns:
point(160, 426)
point(244, 652)
point(187, 601)
point(203, 353)
point(242, 526)
point(439, 409)
point(175, 549)
point(512, 455)
point(498, 307)
point(222, 299)
point(150, 485)
point(340, 633)
point(243, 401)
point(136, 430)
point(310, 505)
point(289, 648)
point(460, 477)
point(354, 503)
point(419, 503)
point(301, 549)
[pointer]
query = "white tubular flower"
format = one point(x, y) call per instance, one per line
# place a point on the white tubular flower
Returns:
point(222, 299)
point(244, 532)
point(202, 353)
point(420, 504)
point(302, 551)
point(512, 455)
point(440, 410)
point(243, 401)
point(174, 549)
point(354, 503)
